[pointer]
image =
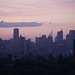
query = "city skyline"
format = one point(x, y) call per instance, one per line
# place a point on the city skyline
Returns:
point(37, 37)
point(52, 14)
point(43, 45)
point(59, 34)
point(32, 32)
point(22, 56)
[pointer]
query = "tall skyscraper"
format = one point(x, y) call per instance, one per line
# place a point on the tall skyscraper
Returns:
point(16, 34)
point(59, 37)
point(16, 38)
point(70, 37)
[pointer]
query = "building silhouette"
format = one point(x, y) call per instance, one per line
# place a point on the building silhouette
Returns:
point(74, 48)
point(69, 39)
point(50, 42)
point(16, 34)
point(21, 44)
point(16, 38)
point(42, 46)
point(59, 37)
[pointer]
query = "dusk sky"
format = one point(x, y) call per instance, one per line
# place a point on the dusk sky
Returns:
point(61, 14)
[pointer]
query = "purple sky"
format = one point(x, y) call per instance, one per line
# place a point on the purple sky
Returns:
point(60, 12)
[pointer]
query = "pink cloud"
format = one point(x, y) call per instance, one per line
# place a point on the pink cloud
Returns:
point(37, 9)
point(37, 6)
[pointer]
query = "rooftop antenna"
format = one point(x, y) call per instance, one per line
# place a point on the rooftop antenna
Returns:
point(51, 33)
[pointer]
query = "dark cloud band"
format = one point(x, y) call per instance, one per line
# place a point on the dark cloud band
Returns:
point(20, 24)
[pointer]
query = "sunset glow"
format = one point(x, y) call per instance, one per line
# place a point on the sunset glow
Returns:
point(60, 13)
point(39, 10)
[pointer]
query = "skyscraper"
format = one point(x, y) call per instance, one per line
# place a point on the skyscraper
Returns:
point(59, 37)
point(16, 38)
point(69, 38)
point(16, 34)
point(22, 44)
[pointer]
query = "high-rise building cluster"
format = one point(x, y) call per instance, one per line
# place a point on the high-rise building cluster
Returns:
point(18, 46)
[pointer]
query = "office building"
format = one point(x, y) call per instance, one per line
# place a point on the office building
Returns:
point(59, 37)
point(16, 38)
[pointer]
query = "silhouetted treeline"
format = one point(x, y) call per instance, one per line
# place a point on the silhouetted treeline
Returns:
point(24, 66)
